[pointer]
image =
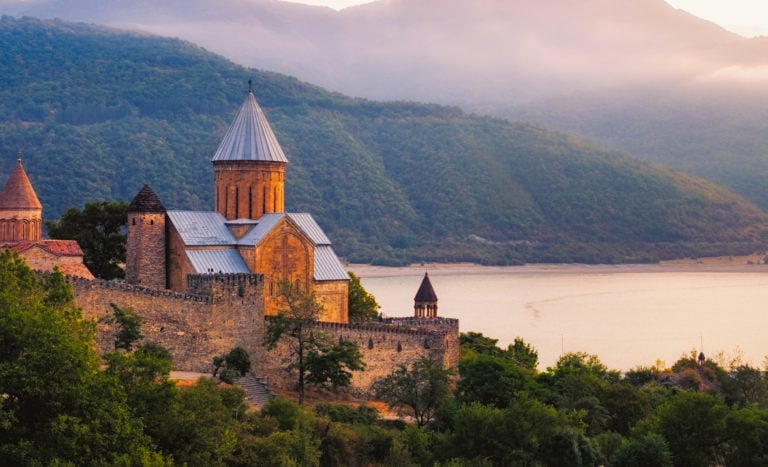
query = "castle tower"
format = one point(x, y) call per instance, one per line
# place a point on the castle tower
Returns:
point(21, 214)
point(425, 302)
point(145, 247)
point(249, 167)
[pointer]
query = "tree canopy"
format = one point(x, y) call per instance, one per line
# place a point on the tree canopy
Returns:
point(99, 229)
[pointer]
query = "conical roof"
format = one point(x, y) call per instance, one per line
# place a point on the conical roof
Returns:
point(426, 293)
point(18, 192)
point(250, 138)
point(146, 201)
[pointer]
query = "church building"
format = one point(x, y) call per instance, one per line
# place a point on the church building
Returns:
point(21, 221)
point(249, 231)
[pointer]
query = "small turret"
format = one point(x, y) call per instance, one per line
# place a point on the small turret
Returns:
point(145, 245)
point(425, 302)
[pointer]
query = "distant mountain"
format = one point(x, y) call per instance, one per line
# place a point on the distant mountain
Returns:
point(638, 76)
point(96, 113)
point(477, 54)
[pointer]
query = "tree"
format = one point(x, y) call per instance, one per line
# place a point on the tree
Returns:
point(362, 305)
point(419, 389)
point(128, 324)
point(57, 405)
point(99, 229)
point(523, 354)
point(491, 381)
point(316, 358)
point(236, 363)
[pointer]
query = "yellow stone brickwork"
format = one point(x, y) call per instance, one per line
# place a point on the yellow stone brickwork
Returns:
point(244, 190)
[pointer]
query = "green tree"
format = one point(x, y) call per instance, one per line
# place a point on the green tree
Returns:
point(694, 426)
point(128, 324)
point(317, 359)
point(491, 381)
point(99, 229)
point(475, 343)
point(417, 389)
point(362, 304)
point(57, 405)
point(523, 354)
point(145, 378)
point(236, 363)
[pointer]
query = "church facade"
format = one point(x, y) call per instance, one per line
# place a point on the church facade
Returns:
point(249, 231)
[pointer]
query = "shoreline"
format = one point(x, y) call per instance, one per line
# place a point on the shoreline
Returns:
point(724, 264)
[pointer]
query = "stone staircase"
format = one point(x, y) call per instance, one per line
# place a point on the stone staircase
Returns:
point(256, 390)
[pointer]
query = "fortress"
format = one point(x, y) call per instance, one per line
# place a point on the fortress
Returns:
point(206, 282)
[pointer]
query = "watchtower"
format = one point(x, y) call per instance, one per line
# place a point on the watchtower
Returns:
point(145, 246)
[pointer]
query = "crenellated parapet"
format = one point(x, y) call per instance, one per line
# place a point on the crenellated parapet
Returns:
point(210, 284)
point(80, 284)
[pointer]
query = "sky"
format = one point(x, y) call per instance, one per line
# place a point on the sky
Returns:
point(746, 17)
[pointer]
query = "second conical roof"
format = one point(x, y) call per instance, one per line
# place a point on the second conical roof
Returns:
point(18, 192)
point(146, 200)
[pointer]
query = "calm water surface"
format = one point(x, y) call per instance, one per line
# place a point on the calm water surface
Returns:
point(627, 315)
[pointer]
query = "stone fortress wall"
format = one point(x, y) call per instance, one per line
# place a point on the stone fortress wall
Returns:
point(222, 311)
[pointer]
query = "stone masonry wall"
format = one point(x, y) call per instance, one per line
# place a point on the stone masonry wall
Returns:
point(384, 346)
point(225, 311)
point(194, 328)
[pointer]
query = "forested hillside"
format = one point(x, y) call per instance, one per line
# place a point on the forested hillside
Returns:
point(96, 113)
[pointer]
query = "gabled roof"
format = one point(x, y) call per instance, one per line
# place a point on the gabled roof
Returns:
point(426, 293)
point(201, 228)
point(18, 192)
point(198, 228)
point(250, 138)
point(146, 201)
point(217, 261)
point(305, 222)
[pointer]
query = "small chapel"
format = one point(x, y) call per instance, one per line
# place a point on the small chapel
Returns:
point(248, 232)
point(21, 230)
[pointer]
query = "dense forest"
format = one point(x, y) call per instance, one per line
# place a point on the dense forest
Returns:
point(63, 404)
point(96, 113)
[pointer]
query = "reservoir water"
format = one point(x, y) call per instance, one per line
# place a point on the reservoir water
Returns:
point(627, 315)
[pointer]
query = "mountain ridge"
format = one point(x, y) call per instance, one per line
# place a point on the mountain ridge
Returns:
point(389, 182)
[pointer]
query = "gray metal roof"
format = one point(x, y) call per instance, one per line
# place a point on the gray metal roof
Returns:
point(305, 222)
point(328, 267)
point(209, 229)
point(217, 261)
point(250, 138)
point(310, 228)
point(266, 223)
point(198, 228)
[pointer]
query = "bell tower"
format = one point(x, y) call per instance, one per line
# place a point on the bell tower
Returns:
point(249, 166)
point(425, 302)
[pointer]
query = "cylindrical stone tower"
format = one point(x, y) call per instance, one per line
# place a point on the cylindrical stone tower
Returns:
point(145, 247)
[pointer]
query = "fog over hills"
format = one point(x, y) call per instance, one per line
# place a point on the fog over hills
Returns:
point(638, 76)
point(477, 54)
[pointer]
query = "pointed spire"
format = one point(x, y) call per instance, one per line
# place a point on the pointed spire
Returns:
point(250, 138)
point(146, 201)
point(426, 293)
point(18, 192)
